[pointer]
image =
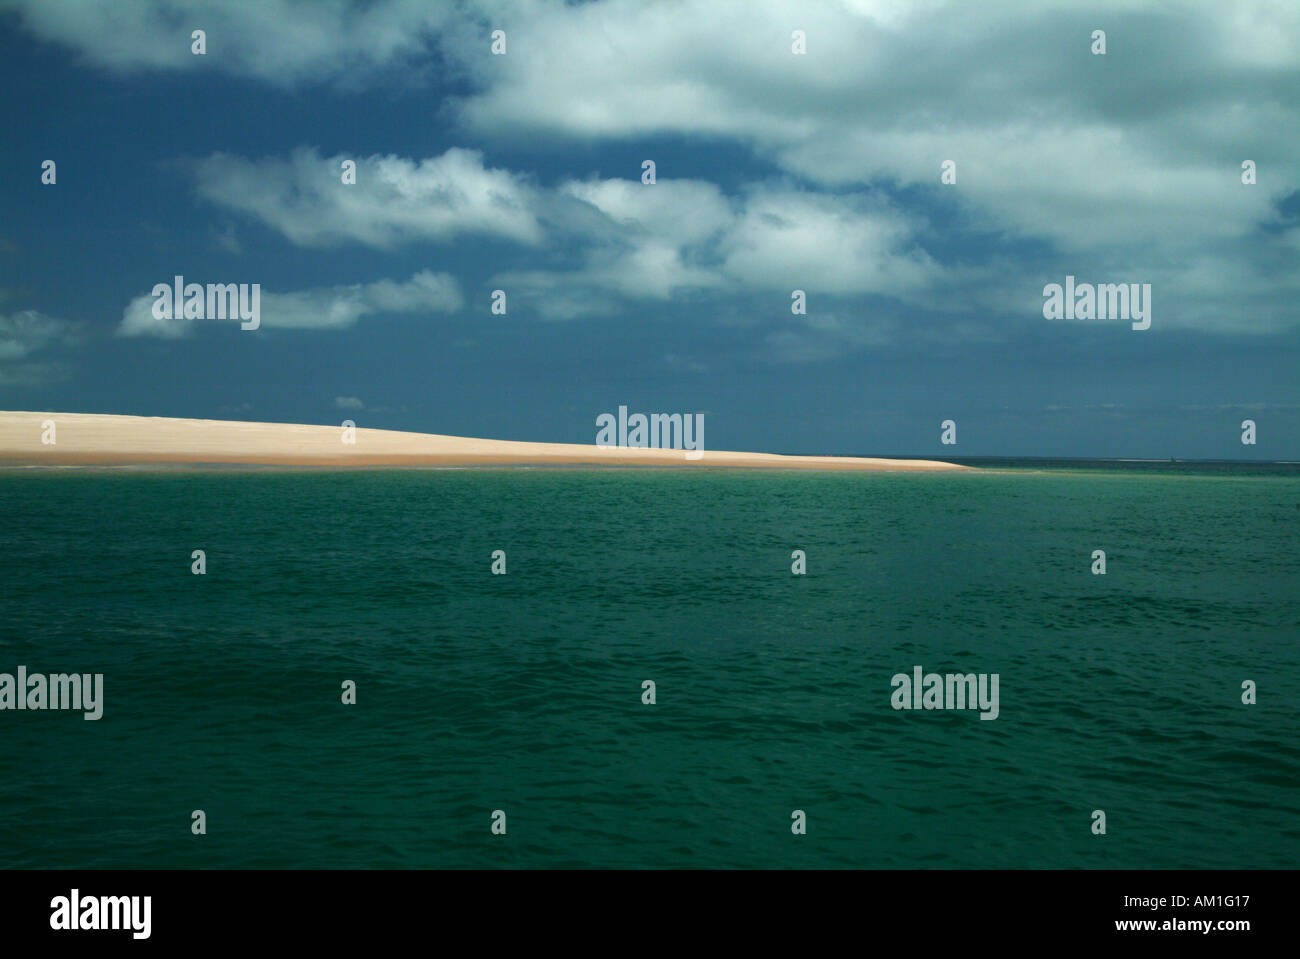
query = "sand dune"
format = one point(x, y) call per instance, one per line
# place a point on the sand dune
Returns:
point(91, 439)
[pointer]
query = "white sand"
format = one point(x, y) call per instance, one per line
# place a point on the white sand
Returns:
point(92, 439)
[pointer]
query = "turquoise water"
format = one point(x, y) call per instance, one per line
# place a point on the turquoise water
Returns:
point(522, 692)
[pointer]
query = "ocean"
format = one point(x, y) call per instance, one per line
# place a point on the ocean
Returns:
point(523, 693)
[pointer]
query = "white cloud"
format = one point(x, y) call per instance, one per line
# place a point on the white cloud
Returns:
point(1139, 146)
point(285, 42)
point(393, 201)
point(348, 403)
point(685, 211)
point(332, 307)
point(682, 236)
point(653, 236)
point(1142, 145)
point(1085, 186)
point(1119, 168)
point(827, 244)
point(27, 333)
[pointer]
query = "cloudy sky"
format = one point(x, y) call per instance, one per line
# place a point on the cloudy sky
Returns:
point(775, 172)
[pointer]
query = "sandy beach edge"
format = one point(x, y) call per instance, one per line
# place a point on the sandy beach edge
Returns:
point(101, 439)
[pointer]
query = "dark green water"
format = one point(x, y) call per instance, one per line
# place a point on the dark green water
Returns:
point(523, 692)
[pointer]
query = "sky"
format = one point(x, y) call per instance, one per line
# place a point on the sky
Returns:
point(775, 171)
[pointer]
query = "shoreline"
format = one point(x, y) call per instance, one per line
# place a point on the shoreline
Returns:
point(93, 440)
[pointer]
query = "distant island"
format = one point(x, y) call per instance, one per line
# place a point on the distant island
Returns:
point(95, 439)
